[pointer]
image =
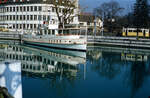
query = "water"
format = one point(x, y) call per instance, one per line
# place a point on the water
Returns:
point(99, 73)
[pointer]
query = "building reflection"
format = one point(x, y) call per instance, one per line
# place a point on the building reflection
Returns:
point(110, 64)
point(41, 63)
point(59, 69)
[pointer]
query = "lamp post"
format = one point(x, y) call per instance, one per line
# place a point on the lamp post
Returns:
point(95, 27)
point(112, 21)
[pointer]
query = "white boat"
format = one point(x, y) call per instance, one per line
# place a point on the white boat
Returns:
point(58, 41)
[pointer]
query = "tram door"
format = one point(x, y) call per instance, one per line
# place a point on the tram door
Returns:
point(126, 32)
point(144, 33)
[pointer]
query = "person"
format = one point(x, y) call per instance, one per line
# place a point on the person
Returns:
point(4, 93)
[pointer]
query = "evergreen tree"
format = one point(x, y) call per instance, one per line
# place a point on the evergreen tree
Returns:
point(141, 14)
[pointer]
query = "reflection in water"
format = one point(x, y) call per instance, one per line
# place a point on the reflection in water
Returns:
point(10, 78)
point(61, 69)
point(135, 67)
point(58, 74)
point(104, 64)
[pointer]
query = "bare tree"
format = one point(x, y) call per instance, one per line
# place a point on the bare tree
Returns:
point(65, 11)
point(108, 12)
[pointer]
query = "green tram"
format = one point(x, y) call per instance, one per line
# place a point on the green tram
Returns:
point(132, 32)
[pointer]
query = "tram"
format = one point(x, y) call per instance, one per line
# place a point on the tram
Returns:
point(132, 32)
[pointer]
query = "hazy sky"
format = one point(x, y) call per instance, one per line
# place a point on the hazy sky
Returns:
point(127, 4)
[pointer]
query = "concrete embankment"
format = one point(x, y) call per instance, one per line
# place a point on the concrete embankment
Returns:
point(128, 42)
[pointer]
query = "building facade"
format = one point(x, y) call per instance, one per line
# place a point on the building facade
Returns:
point(92, 24)
point(31, 15)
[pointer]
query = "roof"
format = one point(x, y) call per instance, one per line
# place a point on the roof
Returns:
point(14, 2)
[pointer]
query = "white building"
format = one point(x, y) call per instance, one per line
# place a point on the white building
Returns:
point(88, 20)
point(31, 15)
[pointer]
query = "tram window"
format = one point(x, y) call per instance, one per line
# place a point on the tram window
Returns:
point(138, 30)
point(130, 30)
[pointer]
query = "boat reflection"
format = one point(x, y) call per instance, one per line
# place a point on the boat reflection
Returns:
point(41, 62)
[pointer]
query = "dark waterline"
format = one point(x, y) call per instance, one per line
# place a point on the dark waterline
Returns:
point(100, 73)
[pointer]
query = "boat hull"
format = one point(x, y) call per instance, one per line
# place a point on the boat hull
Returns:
point(75, 47)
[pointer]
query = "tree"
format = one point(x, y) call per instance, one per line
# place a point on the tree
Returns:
point(65, 11)
point(108, 12)
point(141, 14)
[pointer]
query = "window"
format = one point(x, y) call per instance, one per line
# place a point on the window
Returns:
point(17, 26)
point(17, 17)
point(35, 17)
point(39, 17)
point(14, 26)
point(10, 17)
point(21, 8)
point(27, 26)
point(10, 9)
point(31, 26)
point(24, 17)
point(7, 9)
point(48, 18)
point(14, 9)
point(20, 17)
point(35, 26)
point(27, 8)
point(20, 26)
point(17, 9)
point(44, 17)
point(31, 17)
point(14, 17)
point(28, 17)
point(24, 26)
point(24, 8)
point(31, 8)
point(35, 8)
point(7, 17)
point(40, 8)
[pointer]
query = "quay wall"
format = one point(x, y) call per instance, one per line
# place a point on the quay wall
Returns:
point(127, 42)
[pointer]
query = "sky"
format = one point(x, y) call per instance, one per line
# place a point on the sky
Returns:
point(91, 4)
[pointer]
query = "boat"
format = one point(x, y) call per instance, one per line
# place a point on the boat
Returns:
point(65, 41)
